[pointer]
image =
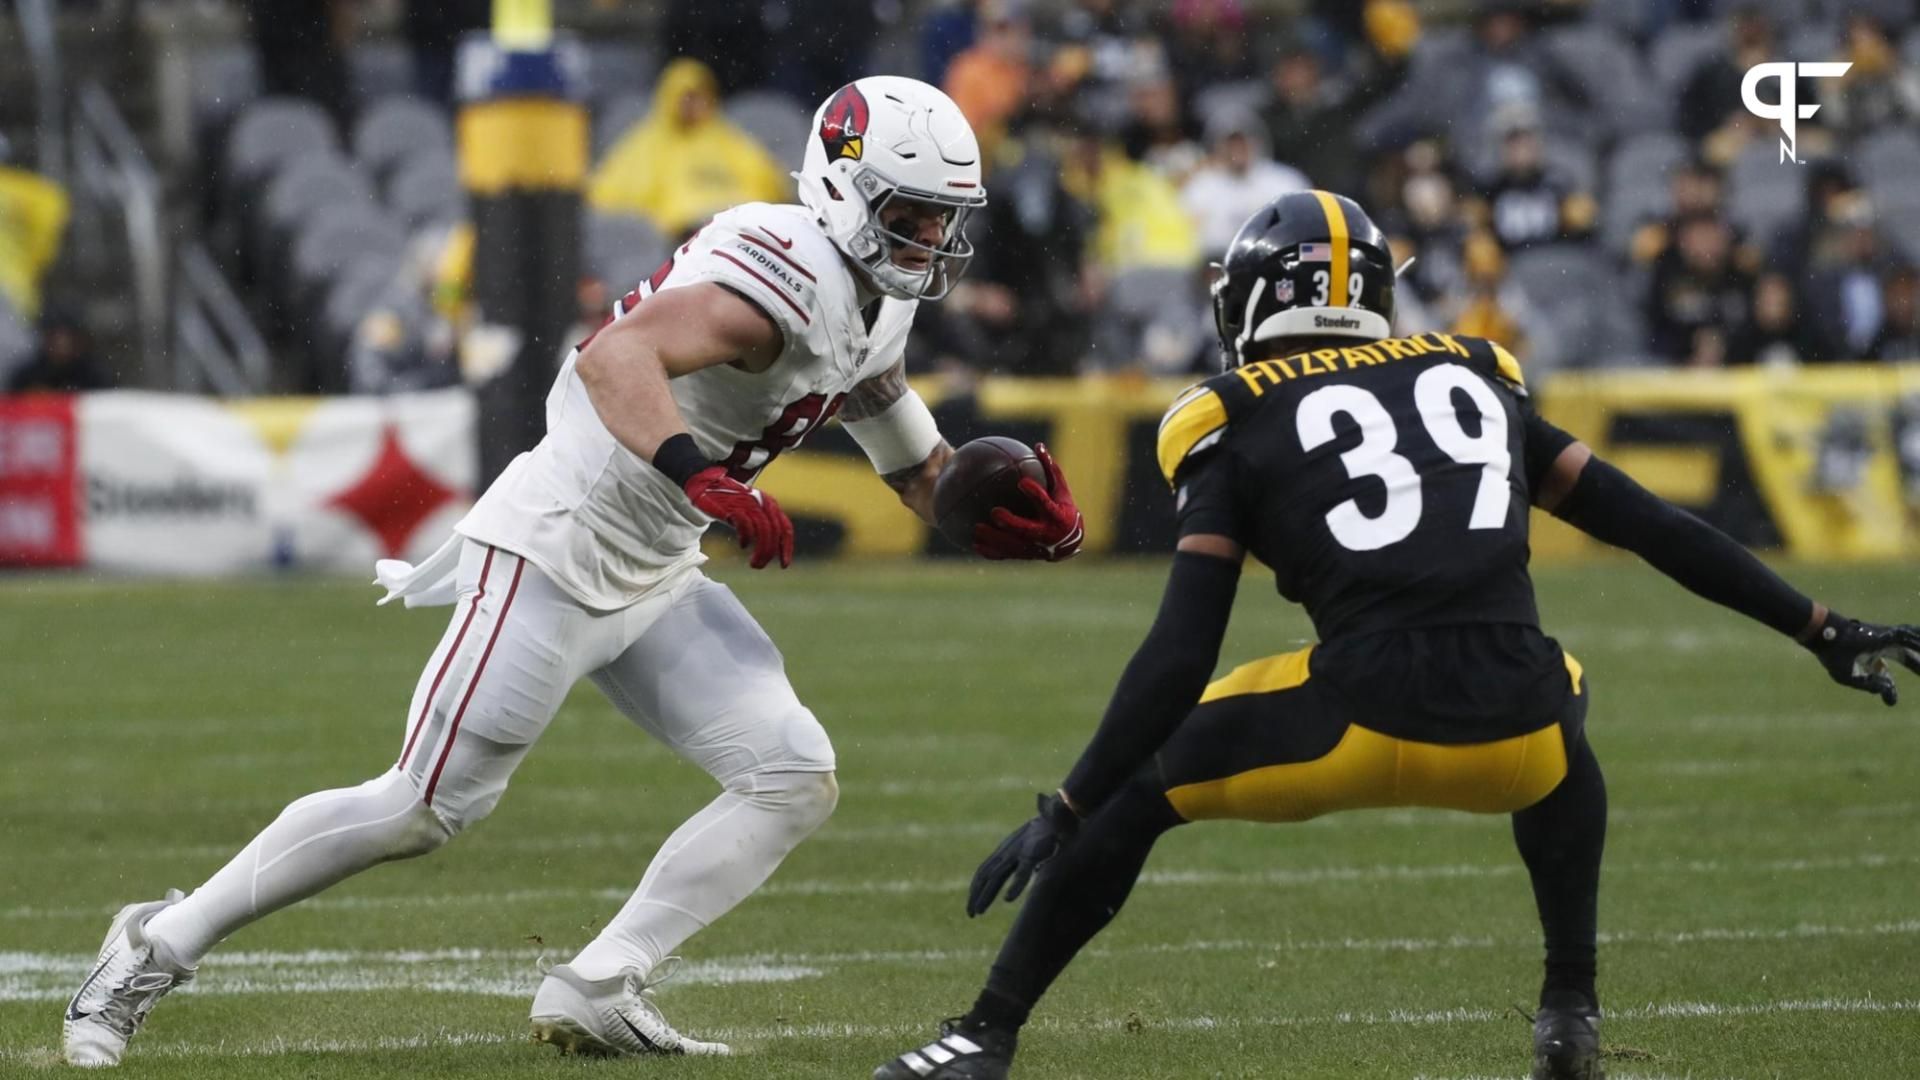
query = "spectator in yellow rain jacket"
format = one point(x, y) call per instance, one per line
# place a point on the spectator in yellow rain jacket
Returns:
point(1140, 226)
point(33, 216)
point(684, 162)
point(1141, 221)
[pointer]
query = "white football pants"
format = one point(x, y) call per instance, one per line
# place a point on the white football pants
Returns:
point(687, 664)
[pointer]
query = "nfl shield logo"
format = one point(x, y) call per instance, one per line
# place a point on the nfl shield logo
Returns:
point(1283, 290)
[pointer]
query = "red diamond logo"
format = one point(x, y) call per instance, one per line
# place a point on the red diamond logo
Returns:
point(394, 496)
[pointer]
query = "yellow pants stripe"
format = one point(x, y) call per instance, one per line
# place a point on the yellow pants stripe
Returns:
point(1282, 672)
point(1368, 769)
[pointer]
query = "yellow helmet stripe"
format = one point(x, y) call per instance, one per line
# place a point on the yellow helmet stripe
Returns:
point(1337, 233)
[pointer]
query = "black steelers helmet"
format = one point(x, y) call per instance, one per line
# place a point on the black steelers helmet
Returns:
point(1308, 264)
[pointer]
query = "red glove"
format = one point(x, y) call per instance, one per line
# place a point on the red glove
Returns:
point(1055, 535)
point(753, 514)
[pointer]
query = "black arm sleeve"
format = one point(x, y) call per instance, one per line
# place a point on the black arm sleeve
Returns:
point(1608, 505)
point(1543, 446)
point(1163, 680)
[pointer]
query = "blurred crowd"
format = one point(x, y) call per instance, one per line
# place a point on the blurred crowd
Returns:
point(1577, 178)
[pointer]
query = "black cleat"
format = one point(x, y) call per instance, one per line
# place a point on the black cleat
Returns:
point(1566, 1044)
point(962, 1052)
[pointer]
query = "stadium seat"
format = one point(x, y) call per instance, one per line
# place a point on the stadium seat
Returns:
point(1631, 18)
point(223, 79)
point(335, 238)
point(301, 190)
point(1814, 41)
point(779, 122)
point(1889, 166)
point(1638, 185)
point(1901, 226)
point(1574, 288)
point(16, 343)
point(357, 289)
point(395, 129)
point(614, 116)
point(426, 191)
point(618, 68)
point(1574, 160)
point(1151, 316)
point(377, 70)
point(616, 243)
point(1763, 195)
point(270, 133)
point(1679, 51)
point(1622, 93)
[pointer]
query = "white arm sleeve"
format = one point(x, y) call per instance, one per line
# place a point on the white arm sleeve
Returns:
point(899, 438)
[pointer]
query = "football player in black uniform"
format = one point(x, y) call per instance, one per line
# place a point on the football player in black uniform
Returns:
point(1387, 481)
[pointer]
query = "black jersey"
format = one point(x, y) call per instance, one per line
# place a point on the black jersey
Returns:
point(1386, 484)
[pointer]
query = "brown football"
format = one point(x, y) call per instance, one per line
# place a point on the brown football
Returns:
point(981, 475)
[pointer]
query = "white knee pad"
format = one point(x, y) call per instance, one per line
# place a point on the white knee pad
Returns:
point(804, 800)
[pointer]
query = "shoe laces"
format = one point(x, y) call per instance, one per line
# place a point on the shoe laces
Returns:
point(129, 1003)
point(643, 985)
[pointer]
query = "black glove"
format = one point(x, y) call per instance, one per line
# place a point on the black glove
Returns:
point(1021, 853)
point(1856, 653)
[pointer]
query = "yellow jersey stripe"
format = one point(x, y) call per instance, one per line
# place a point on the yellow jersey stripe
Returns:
point(1342, 243)
point(1574, 672)
point(1190, 421)
point(1282, 672)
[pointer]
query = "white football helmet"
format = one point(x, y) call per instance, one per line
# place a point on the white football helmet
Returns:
point(884, 138)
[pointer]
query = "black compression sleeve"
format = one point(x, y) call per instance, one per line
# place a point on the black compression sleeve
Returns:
point(1162, 681)
point(1608, 505)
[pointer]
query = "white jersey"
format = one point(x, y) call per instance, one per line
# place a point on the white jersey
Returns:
point(608, 527)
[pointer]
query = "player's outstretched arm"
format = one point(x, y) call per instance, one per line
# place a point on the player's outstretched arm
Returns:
point(1161, 683)
point(1606, 504)
point(625, 368)
point(898, 432)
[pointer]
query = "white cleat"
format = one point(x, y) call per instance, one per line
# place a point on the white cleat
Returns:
point(615, 1017)
point(127, 980)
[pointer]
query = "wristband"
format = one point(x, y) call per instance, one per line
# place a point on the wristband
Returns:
point(902, 436)
point(679, 457)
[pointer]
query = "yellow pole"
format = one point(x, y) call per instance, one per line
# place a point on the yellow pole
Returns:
point(523, 24)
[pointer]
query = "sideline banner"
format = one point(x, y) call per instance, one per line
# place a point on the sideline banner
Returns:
point(39, 504)
point(1822, 462)
point(188, 485)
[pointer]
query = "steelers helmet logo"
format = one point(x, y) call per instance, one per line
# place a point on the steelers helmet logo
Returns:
point(843, 126)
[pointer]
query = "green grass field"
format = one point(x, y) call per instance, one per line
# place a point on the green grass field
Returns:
point(1759, 905)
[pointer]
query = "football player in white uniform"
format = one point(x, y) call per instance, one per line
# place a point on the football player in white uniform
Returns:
point(583, 559)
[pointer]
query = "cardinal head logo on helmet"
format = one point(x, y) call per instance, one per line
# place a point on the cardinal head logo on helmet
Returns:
point(844, 125)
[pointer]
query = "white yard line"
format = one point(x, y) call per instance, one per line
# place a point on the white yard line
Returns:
point(1279, 878)
point(31, 976)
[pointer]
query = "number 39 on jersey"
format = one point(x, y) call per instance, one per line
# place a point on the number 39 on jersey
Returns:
point(1361, 475)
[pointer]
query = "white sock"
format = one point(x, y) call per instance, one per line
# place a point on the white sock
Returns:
point(710, 863)
point(316, 842)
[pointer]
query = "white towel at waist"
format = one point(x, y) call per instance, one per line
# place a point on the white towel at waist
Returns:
point(433, 583)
